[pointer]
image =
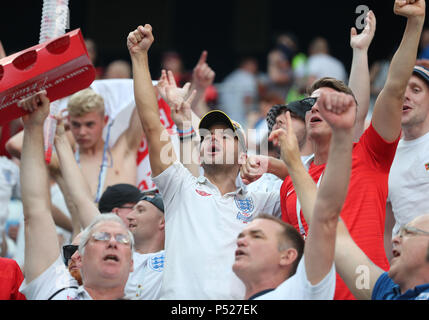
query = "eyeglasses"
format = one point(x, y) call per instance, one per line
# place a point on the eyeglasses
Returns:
point(411, 231)
point(68, 251)
point(106, 236)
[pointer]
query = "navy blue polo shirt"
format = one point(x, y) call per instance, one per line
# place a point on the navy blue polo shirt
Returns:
point(386, 289)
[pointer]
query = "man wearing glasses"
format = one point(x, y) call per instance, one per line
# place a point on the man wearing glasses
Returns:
point(105, 248)
point(141, 212)
point(408, 276)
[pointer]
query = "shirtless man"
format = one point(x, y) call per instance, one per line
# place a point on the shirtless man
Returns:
point(87, 120)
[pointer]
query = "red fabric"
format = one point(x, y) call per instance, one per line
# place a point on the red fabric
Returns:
point(364, 208)
point(11, 278)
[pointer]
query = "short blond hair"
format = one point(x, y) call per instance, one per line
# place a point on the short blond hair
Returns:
point(85, 101)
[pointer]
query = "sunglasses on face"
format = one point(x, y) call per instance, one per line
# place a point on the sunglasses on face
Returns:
point(309, 102)
point(106, 236)
point(68, 251)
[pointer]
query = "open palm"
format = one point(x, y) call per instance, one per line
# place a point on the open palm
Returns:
point(363, 40)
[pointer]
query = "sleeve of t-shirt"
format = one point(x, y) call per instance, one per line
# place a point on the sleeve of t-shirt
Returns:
point(382, 286)
point(55, 278)
point(171, 180)
point(272, 205)
point(298, 287)
point(324, 290)
point(379, 152)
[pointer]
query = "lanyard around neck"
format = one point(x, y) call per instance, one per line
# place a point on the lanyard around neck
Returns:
point(103, 166)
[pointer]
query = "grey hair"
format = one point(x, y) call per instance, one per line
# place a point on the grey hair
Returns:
point(101, 218)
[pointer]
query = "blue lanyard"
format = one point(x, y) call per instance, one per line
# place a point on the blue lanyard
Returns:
point(103, 166)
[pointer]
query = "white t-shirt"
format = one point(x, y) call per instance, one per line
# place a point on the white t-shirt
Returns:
point(201, 232)
point(9, 178)
point(409, 180)
point(298, 287)
point(144, 283)
point(57, 281)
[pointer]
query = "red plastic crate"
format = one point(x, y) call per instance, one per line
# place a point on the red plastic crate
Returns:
point(60, 66)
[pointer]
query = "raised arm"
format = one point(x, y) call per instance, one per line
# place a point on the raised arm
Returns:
point(339, 110)
point(131, 138)
point(322, 207)
point(76, 187)
point(358, 272)
point(185, 119)
point(359, 80)
point(202, 77)
point(161, 152)
point(41, 241)
point(386, 117)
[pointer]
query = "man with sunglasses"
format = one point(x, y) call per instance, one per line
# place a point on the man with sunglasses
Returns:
point(257, 165)
point(105, 248)
point(364, 209)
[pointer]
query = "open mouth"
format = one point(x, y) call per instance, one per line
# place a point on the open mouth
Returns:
point(405, 108)
point(395, 253)
point(214, 148)
point(239, 253)
point(111, 257)
point(315, 119)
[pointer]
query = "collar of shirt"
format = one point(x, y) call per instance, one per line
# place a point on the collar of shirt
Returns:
point(241, 190)
point(411, 293)
point(260, 293)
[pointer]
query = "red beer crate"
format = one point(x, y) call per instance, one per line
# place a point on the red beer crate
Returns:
point(60, 66)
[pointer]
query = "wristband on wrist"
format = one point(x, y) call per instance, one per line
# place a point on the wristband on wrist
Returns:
point(187, 136)
point(182, 132)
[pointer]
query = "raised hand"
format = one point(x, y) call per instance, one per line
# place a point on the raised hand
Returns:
point(363, 40)
point(410, 8)
point(287, 141)
point(202, 75)
point(140, 40)
point(38, 106)
point(177, 98)
point(254, 167)
point(337, 109)
point(2, 52)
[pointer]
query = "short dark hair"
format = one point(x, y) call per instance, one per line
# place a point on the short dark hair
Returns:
point(328, 82)
point(288, 238)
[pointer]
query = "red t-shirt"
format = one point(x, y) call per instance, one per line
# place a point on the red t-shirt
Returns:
point(10, 280)
point(365, 205)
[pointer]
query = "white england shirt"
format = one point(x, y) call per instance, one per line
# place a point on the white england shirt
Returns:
point(144, 283)
point(298, 287)
point(201, 233)
point(55, 283)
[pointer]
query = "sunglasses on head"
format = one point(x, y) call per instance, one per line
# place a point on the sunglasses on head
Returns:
point(68, 251)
